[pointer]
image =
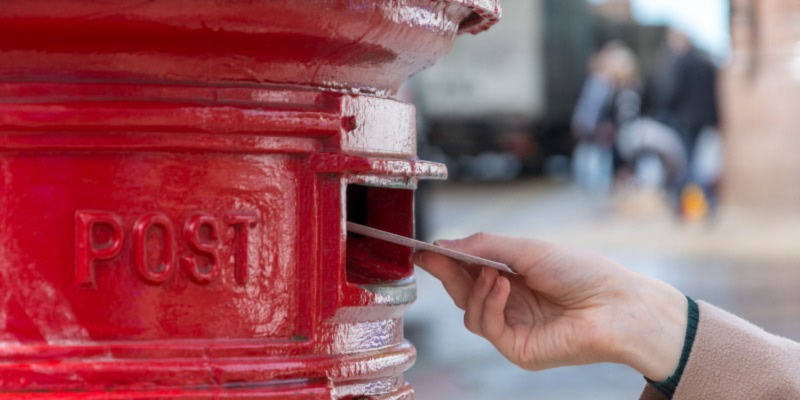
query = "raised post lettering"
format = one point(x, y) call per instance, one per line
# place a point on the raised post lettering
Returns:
point(142, 245)
point(241, 221)
point(98, 237)
point(208, 247)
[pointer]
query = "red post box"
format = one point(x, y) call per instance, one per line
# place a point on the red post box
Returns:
point(176, 175)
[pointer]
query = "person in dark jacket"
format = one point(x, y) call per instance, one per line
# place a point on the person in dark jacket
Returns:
point(682, 95)
point(691, 100)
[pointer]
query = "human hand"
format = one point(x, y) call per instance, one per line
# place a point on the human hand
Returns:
point(565, 307)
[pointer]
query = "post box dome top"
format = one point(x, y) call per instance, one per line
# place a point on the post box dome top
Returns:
point(353, 46)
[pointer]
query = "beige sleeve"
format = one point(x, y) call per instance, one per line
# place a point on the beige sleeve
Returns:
point(733, 359)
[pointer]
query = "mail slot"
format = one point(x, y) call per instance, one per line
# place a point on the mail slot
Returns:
point(374, 261)
point(176, 177)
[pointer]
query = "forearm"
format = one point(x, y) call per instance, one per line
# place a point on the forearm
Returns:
point(732, 358)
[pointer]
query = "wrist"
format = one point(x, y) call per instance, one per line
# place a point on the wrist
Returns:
point(653, 341)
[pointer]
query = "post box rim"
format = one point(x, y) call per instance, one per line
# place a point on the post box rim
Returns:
point(485, 13)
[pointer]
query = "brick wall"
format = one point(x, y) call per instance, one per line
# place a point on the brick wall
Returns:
point(760, 93)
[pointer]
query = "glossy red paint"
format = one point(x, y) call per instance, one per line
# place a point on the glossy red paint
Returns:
point(174, 191)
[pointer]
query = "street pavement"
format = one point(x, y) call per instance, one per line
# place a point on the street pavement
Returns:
point(745, 261)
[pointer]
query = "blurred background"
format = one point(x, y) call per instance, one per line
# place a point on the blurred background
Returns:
point(661, 133)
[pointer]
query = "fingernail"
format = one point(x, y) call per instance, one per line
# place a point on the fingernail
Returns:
point(443, 243)
point(496, 287)
point(483, 274)
point(417, 259)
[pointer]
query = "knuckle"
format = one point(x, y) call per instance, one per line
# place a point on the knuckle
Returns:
point(478, 237)
point(486, 328)
point(469, 324)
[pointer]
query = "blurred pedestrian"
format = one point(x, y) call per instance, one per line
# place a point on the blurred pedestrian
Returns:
point(609, 98)
point(684, 97)
point(691, 102)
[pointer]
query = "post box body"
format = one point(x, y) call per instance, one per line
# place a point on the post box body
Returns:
point(175, 180)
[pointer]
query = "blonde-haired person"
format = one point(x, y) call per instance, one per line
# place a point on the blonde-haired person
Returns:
point(610, 97)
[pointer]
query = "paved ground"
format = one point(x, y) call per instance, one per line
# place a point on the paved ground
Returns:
point(748, 263)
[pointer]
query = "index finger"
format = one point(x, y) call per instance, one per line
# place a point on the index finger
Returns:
point(457, 281)
point(520, 254)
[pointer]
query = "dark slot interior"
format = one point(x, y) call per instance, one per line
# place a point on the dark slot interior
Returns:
point(371, 260)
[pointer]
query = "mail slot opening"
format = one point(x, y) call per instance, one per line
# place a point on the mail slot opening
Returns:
point(371, 260)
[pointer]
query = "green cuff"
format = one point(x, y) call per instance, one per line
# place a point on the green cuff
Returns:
point(669, 385)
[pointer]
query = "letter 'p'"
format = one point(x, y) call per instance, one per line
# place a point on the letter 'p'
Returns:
point(98, 236)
